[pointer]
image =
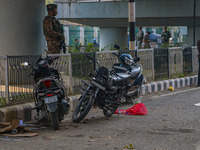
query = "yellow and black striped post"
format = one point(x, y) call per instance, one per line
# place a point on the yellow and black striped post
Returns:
point(131, 7)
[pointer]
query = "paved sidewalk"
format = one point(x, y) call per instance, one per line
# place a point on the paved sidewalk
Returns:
point(24, 112)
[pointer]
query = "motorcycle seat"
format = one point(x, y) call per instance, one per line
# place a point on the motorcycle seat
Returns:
point(120, 78)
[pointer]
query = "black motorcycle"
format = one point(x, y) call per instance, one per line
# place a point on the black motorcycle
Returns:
point(129, 66)
point(49, 92)
point(102, 91)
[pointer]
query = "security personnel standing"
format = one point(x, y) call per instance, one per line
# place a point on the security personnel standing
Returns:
point(140, 37)
point(165, 35)
point(53, 31)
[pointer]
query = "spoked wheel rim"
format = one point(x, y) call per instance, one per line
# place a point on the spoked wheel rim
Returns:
point(82, 106)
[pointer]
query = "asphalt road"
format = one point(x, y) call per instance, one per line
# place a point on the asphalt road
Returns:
point(172, 123)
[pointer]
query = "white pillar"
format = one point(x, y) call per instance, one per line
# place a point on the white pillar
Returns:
point(190, 35)
point(131, 19)
point(96, 33)
point(82, 35)
point(21, 30)
point(66, 33)
point(111, 36)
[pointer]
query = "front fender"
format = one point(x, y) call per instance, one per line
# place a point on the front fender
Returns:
point(52, 107)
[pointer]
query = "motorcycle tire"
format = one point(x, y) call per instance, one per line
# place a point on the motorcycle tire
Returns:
point(54, 120)
point(109, 113)
point(88, 101)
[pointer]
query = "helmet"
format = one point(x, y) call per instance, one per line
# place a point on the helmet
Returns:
point(94, 41)
point(50, 7)
point(126, 59)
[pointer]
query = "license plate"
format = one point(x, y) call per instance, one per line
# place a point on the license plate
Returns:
point(51, 99)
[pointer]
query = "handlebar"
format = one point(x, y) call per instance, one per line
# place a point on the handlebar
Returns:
point(94, 60)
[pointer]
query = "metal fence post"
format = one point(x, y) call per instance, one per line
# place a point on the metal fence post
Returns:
point(153, 69)
point(6, 80)
point(182, 60)
point(70, 74)
point(94, 62)
point(192, 60)
point(168, 62)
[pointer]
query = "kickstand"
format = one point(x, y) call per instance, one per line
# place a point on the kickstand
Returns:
point(107, 118)
point(105, 109)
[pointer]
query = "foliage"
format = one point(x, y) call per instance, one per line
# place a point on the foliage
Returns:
point(165, 45)
point(182, 75)
point(91, 48)
point(87, 48)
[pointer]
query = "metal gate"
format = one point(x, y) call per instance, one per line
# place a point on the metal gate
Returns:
point(161, 65)
point(187, 60)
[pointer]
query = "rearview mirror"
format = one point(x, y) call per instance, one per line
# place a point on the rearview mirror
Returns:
point(24, 64)
point(116, 46)
point(136, 59)
point(90, 75)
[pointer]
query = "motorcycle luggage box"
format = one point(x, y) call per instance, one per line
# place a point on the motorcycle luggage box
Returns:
point(120, 78)
point(135, 72)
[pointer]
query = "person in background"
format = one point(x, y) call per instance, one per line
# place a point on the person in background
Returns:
point(140, 37)
point(53, 31)
point(147, 40)
point(95, 43)
point(77, 45)
point(165, 36)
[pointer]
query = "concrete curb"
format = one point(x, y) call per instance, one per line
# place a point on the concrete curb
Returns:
point(24, 112)
point(164, 85)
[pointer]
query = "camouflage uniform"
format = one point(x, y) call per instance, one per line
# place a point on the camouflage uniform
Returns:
point(165, 35)
point(146, 41)
point(54, 34)
point(140, 39)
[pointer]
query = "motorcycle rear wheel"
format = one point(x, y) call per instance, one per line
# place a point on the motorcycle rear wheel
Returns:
point(54, 120)
point(83, 108)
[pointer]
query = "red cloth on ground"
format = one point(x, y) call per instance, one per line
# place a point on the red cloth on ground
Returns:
point(137, 109)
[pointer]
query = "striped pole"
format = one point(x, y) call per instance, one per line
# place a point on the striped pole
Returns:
point(131, 7)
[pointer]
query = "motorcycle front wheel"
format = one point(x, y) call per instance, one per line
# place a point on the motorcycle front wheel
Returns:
point(54, 120)
point(83, 108)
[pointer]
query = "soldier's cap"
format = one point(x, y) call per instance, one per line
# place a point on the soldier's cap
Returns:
point(50, 7)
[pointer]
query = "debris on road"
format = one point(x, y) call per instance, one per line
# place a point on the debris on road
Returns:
point(20, 135)
point(137, 109)
point(6, 138)
point(171, 88)
point(17, 128)
point(46, 138)
point(127, 147)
